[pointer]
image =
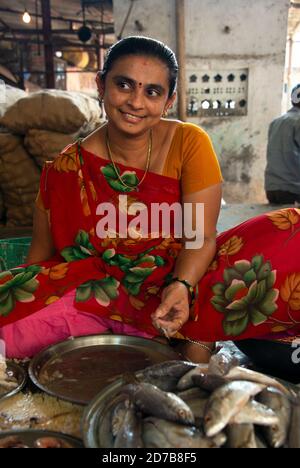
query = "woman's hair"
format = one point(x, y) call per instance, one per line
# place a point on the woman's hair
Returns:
point(139, 45)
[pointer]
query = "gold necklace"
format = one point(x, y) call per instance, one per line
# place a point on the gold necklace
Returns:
point(131, 187)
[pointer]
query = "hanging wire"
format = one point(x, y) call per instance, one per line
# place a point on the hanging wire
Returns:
point(126, 19)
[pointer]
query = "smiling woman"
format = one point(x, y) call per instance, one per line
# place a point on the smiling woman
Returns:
point(80, 280)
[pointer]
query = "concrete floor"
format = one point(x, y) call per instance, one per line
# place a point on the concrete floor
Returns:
point(233, 214)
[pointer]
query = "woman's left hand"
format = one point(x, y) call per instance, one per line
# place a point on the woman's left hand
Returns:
point(173, 311)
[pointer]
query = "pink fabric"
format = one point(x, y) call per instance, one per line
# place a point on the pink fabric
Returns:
point(55, 323)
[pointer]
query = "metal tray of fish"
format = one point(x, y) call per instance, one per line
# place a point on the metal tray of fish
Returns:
point(103, 416)
point(78, 369)
point(16, 373)
point(32, 438)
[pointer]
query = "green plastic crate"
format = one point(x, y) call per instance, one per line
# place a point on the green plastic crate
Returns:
point(13, 252)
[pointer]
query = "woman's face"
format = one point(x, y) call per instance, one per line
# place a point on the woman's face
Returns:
point(135, 93)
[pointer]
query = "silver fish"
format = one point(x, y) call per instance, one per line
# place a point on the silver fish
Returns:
point(241, 436)
point(130, 434)
point(278, 433)
point(154, 438)
point(118, 416)
point(198, 407)
point(177, 436)
point(240, 373)
point(192, 394)
point(186, 380)
point(222, 362)
point(226, 402)
point(105, 436)
point(165, 375)
point(256, 413)
point(155, 402)
point(208, 382)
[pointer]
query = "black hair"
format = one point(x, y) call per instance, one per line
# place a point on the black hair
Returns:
point(139, 45)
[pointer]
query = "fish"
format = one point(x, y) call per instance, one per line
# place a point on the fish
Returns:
point(198, 407)
point(166, 375)
point(52, 443)
point(241, 436)
point(256, 413)
point(118, 416)
point(11, 442)
point(159, 433)
point(240, 373)
point(294, 432)
point(226, 402)
point(130, 433)
point(222, 362)
point(192, 393)
point(209, 382)
point(155, 402)
point(165, 332)
point(277, 434)
point(186, 381)
point(105, 436)
point(154, 438)
point(8, 384)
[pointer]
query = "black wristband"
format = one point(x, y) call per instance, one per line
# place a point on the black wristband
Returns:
point(187, 285)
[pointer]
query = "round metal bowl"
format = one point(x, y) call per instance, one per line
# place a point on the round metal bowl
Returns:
point(19, 373)
point(28, 437)
point(78, 369)
point(95, 424)
point(279, 359)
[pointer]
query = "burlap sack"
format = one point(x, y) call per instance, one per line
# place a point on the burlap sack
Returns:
point(2, 207)
point(45, 146)
point(19, 181)
point(54, 110)
point(9, 96)
point(9, 142)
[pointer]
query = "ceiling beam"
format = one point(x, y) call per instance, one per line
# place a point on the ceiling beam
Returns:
point(62, 32)
point(56, 44)
point(53, 18)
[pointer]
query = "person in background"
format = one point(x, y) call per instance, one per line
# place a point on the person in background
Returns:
point(282, 175)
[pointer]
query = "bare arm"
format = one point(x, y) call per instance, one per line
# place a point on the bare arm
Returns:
point(191, 264)
point(42, 247)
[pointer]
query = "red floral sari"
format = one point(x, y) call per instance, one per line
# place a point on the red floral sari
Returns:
point(251, 289)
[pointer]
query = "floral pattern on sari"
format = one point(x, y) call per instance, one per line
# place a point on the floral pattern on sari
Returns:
point(251, 288)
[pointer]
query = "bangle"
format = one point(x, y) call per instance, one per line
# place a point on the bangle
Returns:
point(202, 345)
point(188, 286)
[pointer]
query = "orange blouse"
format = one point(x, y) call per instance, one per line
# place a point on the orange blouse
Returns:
point(191, 159)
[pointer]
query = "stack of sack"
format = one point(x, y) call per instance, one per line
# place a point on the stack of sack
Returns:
point(9, 96)
point(19, 180)
point(45, 146)
point(41, 124)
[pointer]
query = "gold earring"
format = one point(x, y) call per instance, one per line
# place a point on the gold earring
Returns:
point(165, 113)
